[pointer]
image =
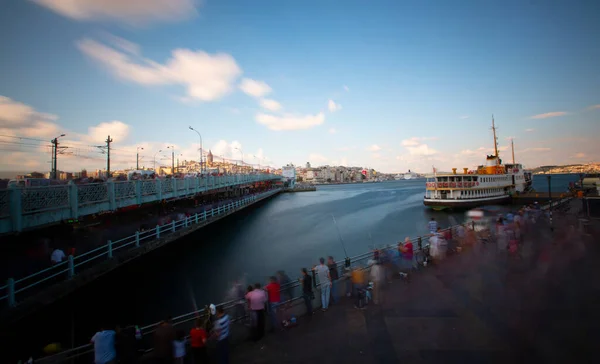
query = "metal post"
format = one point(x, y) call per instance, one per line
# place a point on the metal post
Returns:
point(550, 198)
point(109, 246)
point(420, 243)
point(204, 217)
point(173, 225)
point(196, 217)
point(71, 267)
point(158, 231)
point(137, 239)
point(10, 285)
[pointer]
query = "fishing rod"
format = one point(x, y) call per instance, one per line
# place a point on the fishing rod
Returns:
point(347, 260)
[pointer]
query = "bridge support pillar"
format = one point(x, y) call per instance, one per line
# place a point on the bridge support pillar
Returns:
point(112, 201)
point(16, 209)
point(73, 200)
point(138, 192)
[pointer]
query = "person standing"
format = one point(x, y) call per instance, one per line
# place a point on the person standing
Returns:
point(333, 273)
point(179, 347)
point(222, 333)
point(433, 226)
point(325, 281)
point(198, 338)
point(163, 342)
point(307, 293)
point(257, 299)
point(104, 347)
point(273, 289)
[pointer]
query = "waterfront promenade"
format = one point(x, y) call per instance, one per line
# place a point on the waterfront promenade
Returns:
point(479, 306)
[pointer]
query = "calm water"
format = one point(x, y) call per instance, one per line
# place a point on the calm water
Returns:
point(288, 232)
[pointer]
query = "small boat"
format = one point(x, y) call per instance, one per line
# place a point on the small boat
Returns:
point(491, 184)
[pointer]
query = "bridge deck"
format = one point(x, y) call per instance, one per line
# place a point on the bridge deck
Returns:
point(477, 307)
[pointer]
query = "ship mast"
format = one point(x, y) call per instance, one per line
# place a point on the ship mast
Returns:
point(495, 139)
point(512, 146)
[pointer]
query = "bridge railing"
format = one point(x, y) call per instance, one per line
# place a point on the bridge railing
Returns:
point(84, 353)
point(23, 287)
point(27, 207)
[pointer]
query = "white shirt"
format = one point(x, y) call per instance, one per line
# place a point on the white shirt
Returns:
point(322, 272)
point(179, 348)
point(104, 346)
point(57, 256)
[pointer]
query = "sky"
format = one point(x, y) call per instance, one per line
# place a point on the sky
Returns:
point(389, 85)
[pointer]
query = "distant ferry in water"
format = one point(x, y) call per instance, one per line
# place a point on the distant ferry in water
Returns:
point(491, 184)
point(410, 175)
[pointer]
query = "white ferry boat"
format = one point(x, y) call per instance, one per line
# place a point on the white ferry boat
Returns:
point(491, 184)
point(410, 175)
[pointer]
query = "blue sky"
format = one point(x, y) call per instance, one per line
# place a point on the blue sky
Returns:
point(410, 84)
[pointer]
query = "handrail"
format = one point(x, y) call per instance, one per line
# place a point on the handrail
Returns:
point(67, 267)
point(73, 353)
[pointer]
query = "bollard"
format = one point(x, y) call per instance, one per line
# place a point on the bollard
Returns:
point(109, 246)
point(185, 221)
point(173, 225)
point(71, 267)
point(137, 239)
point(158, 231)
point(204, 215)
point(10, 286)
point(420, 243)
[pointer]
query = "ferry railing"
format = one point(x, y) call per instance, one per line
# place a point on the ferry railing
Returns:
point(67, 269)
point(185, 321)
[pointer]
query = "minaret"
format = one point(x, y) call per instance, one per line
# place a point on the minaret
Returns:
point(495, 139)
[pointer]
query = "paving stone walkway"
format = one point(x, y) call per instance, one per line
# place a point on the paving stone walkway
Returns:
point(479, 306)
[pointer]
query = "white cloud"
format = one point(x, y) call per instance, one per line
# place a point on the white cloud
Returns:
point(317, 159)
point(535, 150)
point(206, 77)
point(332, 131)
point(254, 88)
point(529, 130)
point(410, 142)
point(270, 105)
point(464, 117)
point(374, 148)
point(333, 107)
point(579, 155)
point(290, 121)
point(135, 12)
point(117, 130)
point(422, 149)
point(376, 156)
point(548, 115)
point(346, 88)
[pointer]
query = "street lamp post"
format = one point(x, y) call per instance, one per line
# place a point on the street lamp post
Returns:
point(201, 149)
point(54, 154)
point(172, 159)
point(155, 160)
point(242, 153)
point(137, 158)
point(550, 200)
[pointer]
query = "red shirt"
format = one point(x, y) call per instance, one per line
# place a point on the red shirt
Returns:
point(197, 337)
point(409, 252)
point(273, 290)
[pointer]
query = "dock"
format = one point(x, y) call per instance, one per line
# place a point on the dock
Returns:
point(301, 189)
point(530, 198)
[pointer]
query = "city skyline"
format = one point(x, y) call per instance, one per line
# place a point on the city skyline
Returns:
point(393, 86)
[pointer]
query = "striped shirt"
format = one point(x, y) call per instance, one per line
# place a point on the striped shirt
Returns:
point(222, 327)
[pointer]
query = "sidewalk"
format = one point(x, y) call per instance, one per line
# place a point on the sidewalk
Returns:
point(477, 307)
